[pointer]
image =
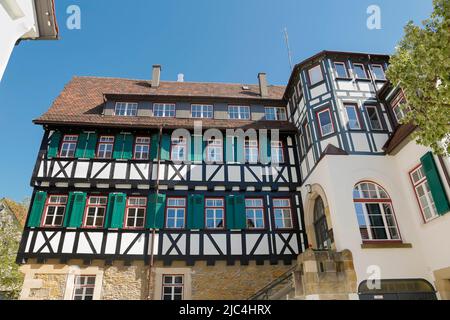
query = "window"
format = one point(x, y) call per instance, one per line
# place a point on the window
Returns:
point(374, 212)
point(54, 211)
point(215, 211)
point(400, 108)
point(135, 212)
point(321, 225)
point(214, 150)
point(325, 123)
point(341, 70)
point(126, 109)
point(201, 111)
point(176, 211)
point(84, 288)
point(105, 147)
point(251, 151)
point(307, 135)
point(239, 112)
point(378, 72)
point(423, 194)
point(315, 75)
point(374, 119)
point(95, 212)
point(275, 113)
point(254, 211)
point(172, 287)
point(352, 116)
point(277, 152)
point(163, 110)
point(360, 71)
point(178, 150)
point(282, 213)
point(68, 146)
point(142, 148)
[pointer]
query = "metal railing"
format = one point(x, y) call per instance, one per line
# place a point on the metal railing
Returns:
point(275, 286)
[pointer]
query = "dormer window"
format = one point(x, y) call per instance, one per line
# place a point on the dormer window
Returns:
point(275, 113)
point(164, 110)
point(128, 109)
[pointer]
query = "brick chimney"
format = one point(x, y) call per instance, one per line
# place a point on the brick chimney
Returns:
point(263, 90)
point(156, 75)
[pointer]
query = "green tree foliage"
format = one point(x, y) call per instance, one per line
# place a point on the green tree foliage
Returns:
point(421, 67)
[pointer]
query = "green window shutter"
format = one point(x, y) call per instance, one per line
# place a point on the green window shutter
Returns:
point(68, 210)
point(118, 211)
point(196, 212)
point(54, 145)
point(128, 146)
point(91, 146)
point(156, 211)
point(109, 210)
point(435, 183)
point(154, 147)
point(34, 220)
point(165, 147)
point(239, 147)
point(118, 146)
point(80, 152)
point(78, 204)
point(229, 211)
point(239, 212)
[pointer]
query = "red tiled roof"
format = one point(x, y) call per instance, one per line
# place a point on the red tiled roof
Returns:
point(81, 102)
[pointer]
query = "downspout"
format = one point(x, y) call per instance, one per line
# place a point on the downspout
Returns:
point(152, 241)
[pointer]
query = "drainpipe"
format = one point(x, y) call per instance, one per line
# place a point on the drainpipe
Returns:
point(152, 241)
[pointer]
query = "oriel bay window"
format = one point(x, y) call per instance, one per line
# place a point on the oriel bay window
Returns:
point(165, 110)
point(275, 113)
point(175, 213)
point(239, 112)
point(126, 109)
point(423, 194)
point(201, 111)
point(214, 150)
point(215, 213)
point(282, 213)
point(95, 212)
point(142, 148)
point(172, 287)
point(178, 149)
point(251, 150)
point(352, 116)
point(325, 123)
point(68, 146)
point(135, 212)
point(84, 288)
point(105, 147)
point(54, 211)
point(254, 211)
point(374, 213)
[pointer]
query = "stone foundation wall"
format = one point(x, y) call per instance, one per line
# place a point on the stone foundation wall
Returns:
point(120, 282)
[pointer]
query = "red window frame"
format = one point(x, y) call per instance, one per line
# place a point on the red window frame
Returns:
point(128, 206)
point(358, 116)
point(363, 68)
point(86, 210)
point(100, 143)
point(69, 142)
point(222, 207)
point(253, 207)
point(141, 144)
point(163, 285)
point(278, 207)
point(345, 67)
point(172, 145)
point(320, 125)
point(175, 207)
point(214, 146)
point(252, 147)
point(416, 184)
point(47, 204)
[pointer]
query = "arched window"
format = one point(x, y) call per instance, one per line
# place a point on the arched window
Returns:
point(320, 224)
point(374, 212)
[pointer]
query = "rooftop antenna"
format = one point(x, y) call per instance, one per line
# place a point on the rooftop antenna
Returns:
point(286, 39)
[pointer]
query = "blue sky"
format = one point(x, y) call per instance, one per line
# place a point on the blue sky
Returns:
point(218, 41)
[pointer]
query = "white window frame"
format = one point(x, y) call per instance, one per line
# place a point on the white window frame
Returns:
point(376, 66)
point(95, 202)
point(284, 211)
point(363, 69)
point(84, 287)
point(58, 203)
point(311, 77)
point(422, 183)
point(250, 146)
point(141, 142)
point(322, 134)
point(345, 68)
point(139, 203)
point(355, 108)
point(179, 204)
point(126, 109)
point(202, 113)
point(102, 154)
point(378, 117)
point(277, 116)
point(216, 145)
point(177, 144)
point(172, 285)
point(215, 208)
point(238, 112)
point(164, 110)
point(277, 148)
point(71, 146)
point(252, 208)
